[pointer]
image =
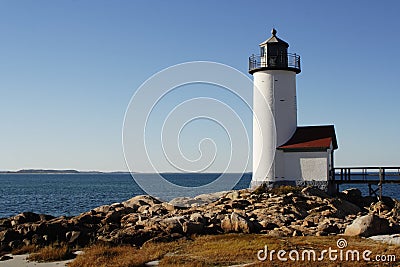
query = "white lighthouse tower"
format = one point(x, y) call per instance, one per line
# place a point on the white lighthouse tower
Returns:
point(274, 104)
point(282, 151)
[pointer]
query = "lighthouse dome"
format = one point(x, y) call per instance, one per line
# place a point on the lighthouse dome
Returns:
point(274, 40)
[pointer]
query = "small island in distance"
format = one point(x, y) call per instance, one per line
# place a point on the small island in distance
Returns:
point(54, 171)
point(51, 171)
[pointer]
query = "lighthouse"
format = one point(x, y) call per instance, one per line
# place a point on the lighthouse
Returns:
point(283, 152)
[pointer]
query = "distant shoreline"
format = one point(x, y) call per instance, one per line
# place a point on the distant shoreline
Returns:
point(47, 171)
point(50, 171)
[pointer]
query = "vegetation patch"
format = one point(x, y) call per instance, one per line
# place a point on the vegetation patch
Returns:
point(24, 250)
point(278, 190)
point(285, 189)
point(52, 253)
point(123, 256)
point(261, 189)
point(229, 249)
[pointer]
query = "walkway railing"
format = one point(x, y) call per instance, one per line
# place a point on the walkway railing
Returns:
point(366, 175)
point(286, 61)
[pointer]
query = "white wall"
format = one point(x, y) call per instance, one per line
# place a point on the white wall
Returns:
point(275, 121)
point(280, 165)
point(264, 142)
point(306, 166)
point(285, 106)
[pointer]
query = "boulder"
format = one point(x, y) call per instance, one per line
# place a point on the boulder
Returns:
point(240, 204)
point(102, 209)
point(28, 230)
point(212, 229)
point(343, 207)
point(54, 230)
point(168, 206)
point(72, 236)
point(25, 217)
point(46, 217)
point(5, 223)
point(113, 216)
point(308, 223)
point(237, 223)
point(143, 209)
point(9, 235)
point(267, 225)
point(297, 233)
point(192, 228)
point(6, 258)
point(328, 228)
point(107, 228)
point(26, 242)
point(276, 233)
point(352, 194)
point(211, 197)
point(367, 226)
point(197, 201)
point(172, 225)
point(38, 240)
point(137, 201)
point(287, 231)
point(15, 244)
point(379, 208)
point(86, 218)
point(116, 205)
point(158, 209)
point(81, 238)
point(187, 202)
point(314, 191)
point(394, 215)
point(130, 219)
point(131, 236)
point(233, 195)
point(197, 217)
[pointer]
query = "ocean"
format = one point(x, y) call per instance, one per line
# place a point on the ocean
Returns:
point(71, 194)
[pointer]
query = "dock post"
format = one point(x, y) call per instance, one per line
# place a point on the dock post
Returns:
point(332, 188)
point(381, 179)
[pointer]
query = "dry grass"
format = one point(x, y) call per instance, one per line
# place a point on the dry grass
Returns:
point(24, 250)
point(261, 189)
point(123, 256)
point(285, 189)
point(230, 249)
point(234, 249)
point(279, 190)
point(52, 253)
point(220, 250)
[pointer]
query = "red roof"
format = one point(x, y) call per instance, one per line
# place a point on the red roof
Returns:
point(312, 138)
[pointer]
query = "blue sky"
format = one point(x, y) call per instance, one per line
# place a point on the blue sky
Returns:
point(69, 68)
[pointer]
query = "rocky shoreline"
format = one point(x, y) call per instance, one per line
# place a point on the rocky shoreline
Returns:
point(284, 211)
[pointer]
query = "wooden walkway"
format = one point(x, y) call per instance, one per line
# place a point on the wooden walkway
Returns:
point(371, 176)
